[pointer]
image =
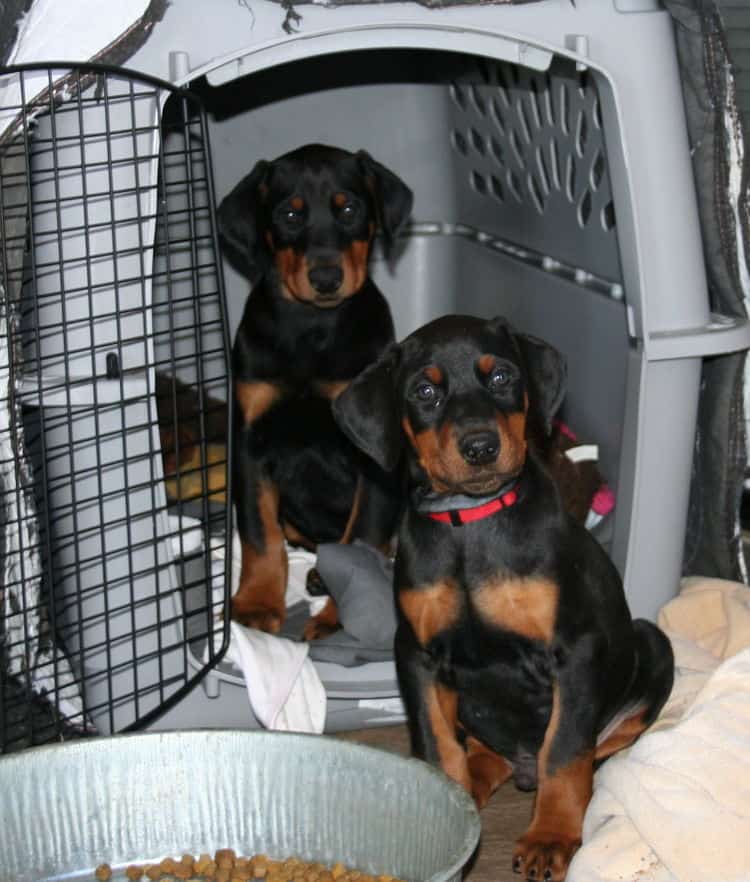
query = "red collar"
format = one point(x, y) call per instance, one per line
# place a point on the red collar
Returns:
point(459, 516)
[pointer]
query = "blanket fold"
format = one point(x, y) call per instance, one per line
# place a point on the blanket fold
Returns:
point(676, 806)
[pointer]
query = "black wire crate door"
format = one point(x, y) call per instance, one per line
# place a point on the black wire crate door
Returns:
point(113, 403)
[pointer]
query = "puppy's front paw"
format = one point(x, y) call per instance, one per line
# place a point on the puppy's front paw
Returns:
point(262, 618)
point(315, 584)
point(324, 623)
point(544, 857)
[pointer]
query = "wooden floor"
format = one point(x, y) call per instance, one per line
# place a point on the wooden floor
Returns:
point(504, 819)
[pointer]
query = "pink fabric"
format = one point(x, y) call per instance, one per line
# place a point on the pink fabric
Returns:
point(566, 430)
point(603, 501)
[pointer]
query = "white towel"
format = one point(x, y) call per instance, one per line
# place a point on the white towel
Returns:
point(283, 686)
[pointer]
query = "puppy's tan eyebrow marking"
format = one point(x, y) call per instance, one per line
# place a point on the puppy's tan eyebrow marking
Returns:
point(486, 363)
point(297, 203)
point(434, 374)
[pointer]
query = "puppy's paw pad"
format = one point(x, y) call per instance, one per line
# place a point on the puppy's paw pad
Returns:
point(544, 858)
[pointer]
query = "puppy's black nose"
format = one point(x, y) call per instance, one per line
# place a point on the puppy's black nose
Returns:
point(480, 448)
point(326, 278)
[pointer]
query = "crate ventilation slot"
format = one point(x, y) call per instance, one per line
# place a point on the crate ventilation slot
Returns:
point(533, 143)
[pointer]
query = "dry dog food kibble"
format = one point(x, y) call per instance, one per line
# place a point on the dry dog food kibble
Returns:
point(226, 866)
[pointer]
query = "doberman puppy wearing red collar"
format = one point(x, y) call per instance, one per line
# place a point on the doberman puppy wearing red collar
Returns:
point(301, 228)
point(516, 653)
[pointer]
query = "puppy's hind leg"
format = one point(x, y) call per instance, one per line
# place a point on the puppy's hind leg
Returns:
point(648, 692)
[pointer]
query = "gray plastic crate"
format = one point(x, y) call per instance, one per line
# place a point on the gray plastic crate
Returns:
point(552, 182)
point(547, 150)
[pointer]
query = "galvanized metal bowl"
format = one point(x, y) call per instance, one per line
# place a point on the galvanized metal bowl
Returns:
point(66, 808)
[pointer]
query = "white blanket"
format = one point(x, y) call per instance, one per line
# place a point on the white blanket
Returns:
point(283, 685)
point(676, 806)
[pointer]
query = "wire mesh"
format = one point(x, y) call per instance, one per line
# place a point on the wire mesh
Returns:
point(114, 403)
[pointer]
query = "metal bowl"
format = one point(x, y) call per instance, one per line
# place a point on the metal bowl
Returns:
point(64, 809)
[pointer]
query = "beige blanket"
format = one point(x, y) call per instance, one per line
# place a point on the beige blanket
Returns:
point(676, 806)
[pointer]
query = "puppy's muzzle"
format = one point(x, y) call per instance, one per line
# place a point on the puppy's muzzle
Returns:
point(326, 278)
point(480, 448)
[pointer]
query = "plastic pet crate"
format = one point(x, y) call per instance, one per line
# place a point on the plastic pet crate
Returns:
point(546, 147)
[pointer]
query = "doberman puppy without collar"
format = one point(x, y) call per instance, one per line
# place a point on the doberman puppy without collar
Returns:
point(301, 227)
point(516, 653)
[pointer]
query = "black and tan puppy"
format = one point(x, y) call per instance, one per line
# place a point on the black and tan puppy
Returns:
point(301, 228)
point(516, 653)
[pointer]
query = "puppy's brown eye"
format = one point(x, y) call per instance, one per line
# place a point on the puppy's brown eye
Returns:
point(291, 213)
point(426, 392)
point(348, 212)
point(499, 379)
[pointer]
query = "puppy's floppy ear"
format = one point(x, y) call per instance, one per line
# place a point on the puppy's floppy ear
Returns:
point(367, 411)
point(392, 197)
point(546, 372)
point(239, 222)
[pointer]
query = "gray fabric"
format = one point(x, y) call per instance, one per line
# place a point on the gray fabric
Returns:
point(360, 580)
point(713, 544)
point(10, 14)
point(735, 17)
point(341, 649)
point(293, 18)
